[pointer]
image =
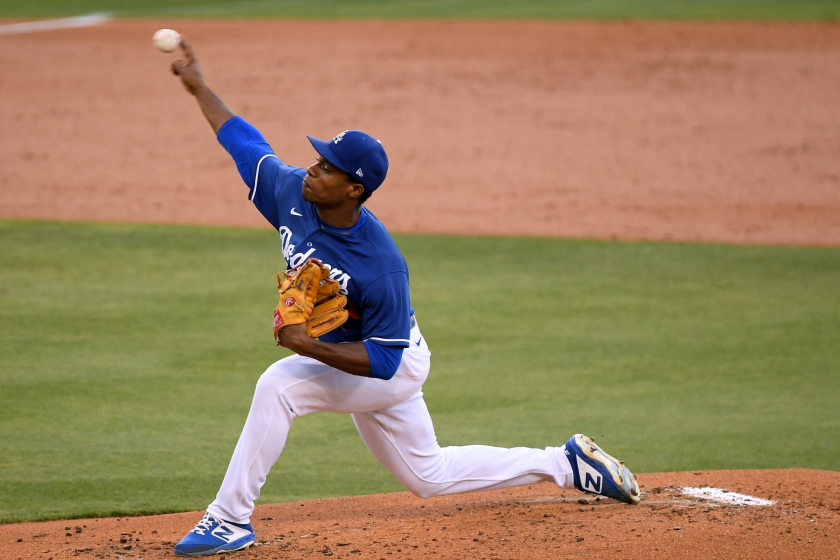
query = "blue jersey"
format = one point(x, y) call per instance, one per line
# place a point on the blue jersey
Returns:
point(363, 259)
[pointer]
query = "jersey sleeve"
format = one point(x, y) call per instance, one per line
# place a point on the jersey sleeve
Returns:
point(386, 311)
point(384, 360)
point(261, 170)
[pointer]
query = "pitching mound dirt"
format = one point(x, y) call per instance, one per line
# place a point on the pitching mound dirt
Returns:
point(537, 522)
point(689, 131)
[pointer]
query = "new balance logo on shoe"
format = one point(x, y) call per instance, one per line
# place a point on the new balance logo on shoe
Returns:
point(591, 479)
point(593, 484)
point(596, 472)
point(223, 532)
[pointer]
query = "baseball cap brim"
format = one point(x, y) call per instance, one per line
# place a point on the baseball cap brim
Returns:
point(326, 152)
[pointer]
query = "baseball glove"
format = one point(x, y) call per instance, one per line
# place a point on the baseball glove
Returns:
point(307, 295)
point(329, 312)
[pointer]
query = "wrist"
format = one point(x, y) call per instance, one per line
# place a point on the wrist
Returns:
point(305, 346)
point(199, 87)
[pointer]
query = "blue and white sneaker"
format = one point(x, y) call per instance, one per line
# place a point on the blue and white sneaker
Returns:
point(596, 472)
point(214, 536)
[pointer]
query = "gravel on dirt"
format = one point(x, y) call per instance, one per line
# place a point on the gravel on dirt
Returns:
point(537, 522)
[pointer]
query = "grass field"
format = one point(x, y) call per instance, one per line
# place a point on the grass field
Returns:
point(508, 9)
point(129, 353)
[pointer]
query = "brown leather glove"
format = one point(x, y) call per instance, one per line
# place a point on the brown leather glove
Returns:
point(307, 295)
point(298, 288)
point(329, 312)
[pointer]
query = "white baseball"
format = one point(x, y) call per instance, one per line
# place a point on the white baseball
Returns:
point(166, 40)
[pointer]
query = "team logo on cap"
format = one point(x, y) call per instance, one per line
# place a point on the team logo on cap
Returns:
point(359, 172)
point(339, 137)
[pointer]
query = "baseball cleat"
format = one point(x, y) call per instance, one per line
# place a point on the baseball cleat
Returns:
point(595, 472)
point(214, 536)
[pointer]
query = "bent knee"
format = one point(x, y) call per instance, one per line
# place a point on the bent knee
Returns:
point(427, 477)
point(423, 488)
point(269, 378)
point(424, 493)
point(275, 379)
point(421, 491)
point(292, 384)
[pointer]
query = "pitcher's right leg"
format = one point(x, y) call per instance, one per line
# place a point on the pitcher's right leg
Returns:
point(290, 388)
point(263, 436)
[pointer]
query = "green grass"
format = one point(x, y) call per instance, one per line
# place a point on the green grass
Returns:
point(506, 9)
point(129, 354)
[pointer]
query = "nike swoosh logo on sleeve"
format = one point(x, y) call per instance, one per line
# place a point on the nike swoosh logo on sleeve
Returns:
point(295, 213)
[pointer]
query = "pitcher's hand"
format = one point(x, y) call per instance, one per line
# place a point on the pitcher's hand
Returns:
point(187, 68)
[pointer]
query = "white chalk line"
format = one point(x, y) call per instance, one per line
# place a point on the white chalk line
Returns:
point(725, 496)
point(50, 24)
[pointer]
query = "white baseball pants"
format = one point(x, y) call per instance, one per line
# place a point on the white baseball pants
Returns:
point(394, 423)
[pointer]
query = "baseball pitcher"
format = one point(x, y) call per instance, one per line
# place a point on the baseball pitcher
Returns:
point(345, 271)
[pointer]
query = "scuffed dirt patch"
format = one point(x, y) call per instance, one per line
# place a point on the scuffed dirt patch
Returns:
point(687, 131)
point(537, 522)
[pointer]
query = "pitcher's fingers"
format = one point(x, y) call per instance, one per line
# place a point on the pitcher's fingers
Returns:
point(186, 48)
point(176, 66)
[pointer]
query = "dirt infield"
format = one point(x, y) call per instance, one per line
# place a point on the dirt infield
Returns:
point(690, 131)
point(538, 522)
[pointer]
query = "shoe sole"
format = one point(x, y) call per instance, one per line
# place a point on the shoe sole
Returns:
point(243, 547)
point(616, 468)
point(220, 551)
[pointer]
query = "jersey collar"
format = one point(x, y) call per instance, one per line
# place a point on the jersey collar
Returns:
point(343, 231)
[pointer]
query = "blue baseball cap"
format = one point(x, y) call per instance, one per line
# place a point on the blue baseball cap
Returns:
point(358, 154)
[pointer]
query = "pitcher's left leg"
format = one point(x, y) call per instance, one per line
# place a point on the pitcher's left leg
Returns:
point(402, 438)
